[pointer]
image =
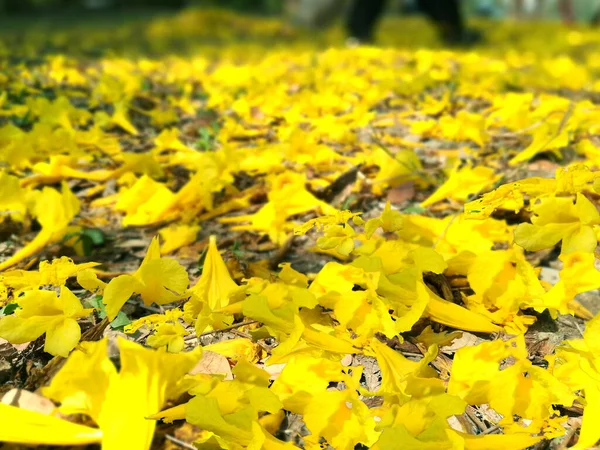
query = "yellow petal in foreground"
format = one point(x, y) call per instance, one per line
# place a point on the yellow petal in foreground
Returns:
point(341, 418)
point(32, 428)
point(500, 441)
point(120, 402)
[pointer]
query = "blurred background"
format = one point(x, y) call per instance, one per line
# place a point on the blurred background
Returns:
point(313, 12)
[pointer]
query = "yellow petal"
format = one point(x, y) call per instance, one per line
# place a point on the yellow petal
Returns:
point(62, 338)
point(582, 240)
point(177, 236)
point(19, 331)
point(237, 349)
point(32, 428)
point(139, 390)
point(590, 433)
point(117, 292)
point(458, 317)
point(535, 238)
point(88, 280)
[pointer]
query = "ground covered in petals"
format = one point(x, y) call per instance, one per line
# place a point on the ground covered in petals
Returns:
point(224, 232)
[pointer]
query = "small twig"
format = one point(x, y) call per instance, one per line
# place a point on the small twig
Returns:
point(491, 430)
point(208, 333)
point(564, 443)
point(440, 282)
point(346, 178)
point(179, 442)
point(578, 327)
point(470, 411)
point(280, 253)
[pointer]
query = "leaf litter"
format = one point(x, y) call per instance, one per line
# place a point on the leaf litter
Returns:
point(221, 232)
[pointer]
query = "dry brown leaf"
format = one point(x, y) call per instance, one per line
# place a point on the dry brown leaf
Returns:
point(466, 340)
point(347, 360)
point(28, 400)
point(9, 350)
point(213, 364)
point(401, 193)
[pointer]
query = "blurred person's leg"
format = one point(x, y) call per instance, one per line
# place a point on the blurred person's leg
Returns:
point(363, 18)
point(566, 10)
point(447, 16)
point(519, 9)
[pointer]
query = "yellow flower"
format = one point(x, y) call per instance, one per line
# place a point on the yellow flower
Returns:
point(157, 280)
point(215, 283)
point(53, 273)
point(119, 402)
point(389, 221)
point(54, 211)
point(519, 388)
point(169, 335)
point(44, 312)
point(558, 219)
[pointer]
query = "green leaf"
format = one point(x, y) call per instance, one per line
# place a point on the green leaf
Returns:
point(9, 309)
point(97, 304)
point(118, 323)
point(414, 209)
point(95, 235)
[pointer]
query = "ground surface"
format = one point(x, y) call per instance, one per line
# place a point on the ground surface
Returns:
point(207, 123)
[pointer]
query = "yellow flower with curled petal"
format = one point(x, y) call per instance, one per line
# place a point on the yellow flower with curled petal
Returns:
point(558, 219)
point(215, 283)
point(157, 280)
point(228, 411)
point(339, 238)
point(44, 312)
